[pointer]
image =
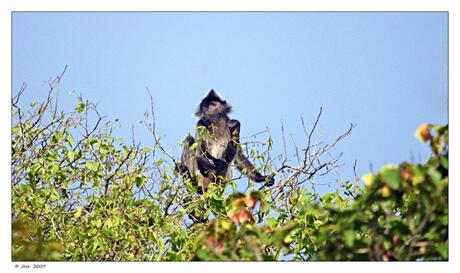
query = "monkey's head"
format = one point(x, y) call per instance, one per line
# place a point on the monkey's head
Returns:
point(213, 105)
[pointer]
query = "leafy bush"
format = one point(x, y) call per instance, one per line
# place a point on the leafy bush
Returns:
point(81, 194)
point(401, 215)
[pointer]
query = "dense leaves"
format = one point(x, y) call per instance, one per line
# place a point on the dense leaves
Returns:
point(401, 215)
point(80, 193)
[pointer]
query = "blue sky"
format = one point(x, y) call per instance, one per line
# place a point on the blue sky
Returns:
point(386, 72)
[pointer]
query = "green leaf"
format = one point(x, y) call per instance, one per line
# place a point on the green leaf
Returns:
point(444, 220)
point(349, 238)
point(93, 141)
point(434, 174)
point(54, 195)
point(159, 162)
point(392, 177)
point(69, 139)
point(80, 107)
point(348, 185)
point(204, 255)
point(318, 223)
point(271, 222)
point(97, 223)
point(71, 155)
point(146, 150)
point(109, 232)
point(270, 141)
point(445, 162)
point(92, 166)
point(193, 146)
point(327, 198)
point(140, 180)
point(440, 129)
point(443, 250)
point(234, 186)
point(226, 225)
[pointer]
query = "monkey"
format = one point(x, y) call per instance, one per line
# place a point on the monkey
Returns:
point(210, 156)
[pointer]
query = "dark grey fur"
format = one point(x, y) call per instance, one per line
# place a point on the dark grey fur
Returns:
point(212, 159)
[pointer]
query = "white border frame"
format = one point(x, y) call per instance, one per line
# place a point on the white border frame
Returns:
point(6, 7)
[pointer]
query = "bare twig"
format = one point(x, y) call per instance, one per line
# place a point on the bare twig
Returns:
point(284, 143)
point(311, 131)
point(16, 98)
point(152, 130)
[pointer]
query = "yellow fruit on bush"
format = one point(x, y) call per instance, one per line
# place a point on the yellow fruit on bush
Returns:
point(386, 192)
point(78, 212)
point(369, 179)
point(423, 132)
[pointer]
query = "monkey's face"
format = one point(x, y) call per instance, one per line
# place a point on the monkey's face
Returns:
point(215, 108)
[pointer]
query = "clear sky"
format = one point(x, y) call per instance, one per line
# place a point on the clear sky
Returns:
point(386, 72)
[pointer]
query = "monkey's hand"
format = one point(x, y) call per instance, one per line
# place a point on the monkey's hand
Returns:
point(204, 122)
point(181, 168)
point(269, 180)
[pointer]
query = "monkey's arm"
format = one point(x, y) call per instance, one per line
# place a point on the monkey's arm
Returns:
point(209, 167)
point(241, 162)
point(245, 166)
point(187, 159)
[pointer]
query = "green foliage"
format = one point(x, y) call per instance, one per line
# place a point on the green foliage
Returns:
point(401, 215)
point(29, 243)
point(236, 236)
point(79, 193)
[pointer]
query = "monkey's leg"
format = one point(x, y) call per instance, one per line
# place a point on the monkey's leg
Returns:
point(188, 166)
point(211, 167)
point(203, 183)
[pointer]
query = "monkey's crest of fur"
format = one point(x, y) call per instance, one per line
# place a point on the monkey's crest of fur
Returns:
point(210, 97)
